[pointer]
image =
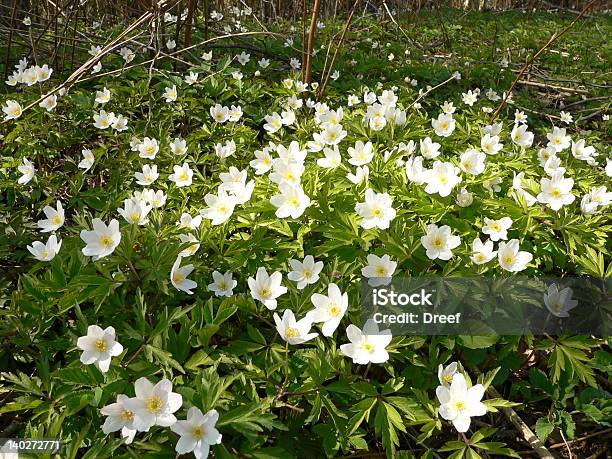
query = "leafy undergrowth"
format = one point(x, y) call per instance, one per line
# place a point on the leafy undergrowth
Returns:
point(207, 179)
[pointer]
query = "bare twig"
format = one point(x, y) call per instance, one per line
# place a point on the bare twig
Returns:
point(550, 41)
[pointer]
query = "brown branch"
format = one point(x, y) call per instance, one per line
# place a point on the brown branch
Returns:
point(550, 41)
point(311, 33)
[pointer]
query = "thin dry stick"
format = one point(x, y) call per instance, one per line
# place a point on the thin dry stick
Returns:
point(550, 41)
point(112, 45)
point(311, 33)
point(333, 60)
point(523, 428)
point(430, 90)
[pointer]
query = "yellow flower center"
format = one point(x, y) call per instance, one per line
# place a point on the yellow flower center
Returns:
point(182, 176)
point(265, 292)
point(377, 212)
point(496, 227)
point(556, 192)
point(334, 309)
point(294, 202)
point(368, 347)
point(292, 332)
point(127, 416)
point(198, 432)
point(101, 345)
point(57, 220)
point(438, 242)
point(459, 405)
point(106, 241)
point(509, 259)
point(135, 217)
point(381, 271)
point(178, 278)
point(154, 404)
point(307, 273)
point(447, 379)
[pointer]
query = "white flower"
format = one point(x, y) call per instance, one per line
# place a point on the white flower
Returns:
point(179, 274)
point(469, 98)
point(148, 148)
point(360, 176)
point(376, 211)
point(428, 148)
point(273, 123)
point(147, 176)
point(558, 140)
point(472, 162)
point(127, 54)
point(235, 113)
point(497, 229)
point(266, 288)
point(444, 125)
point(219, 114)
point(171, 44)
point(243, 58)
point(292, 331)
point(329, 309)
point(493, 129)
point(170, 94)
point(189, 222)
point(559, 302)
point(445, 374)
point(263, 63)
point(96, 68)
point(333, 134)
point(292, 202)
point(119, 417)
point(459, 404)
point(103, 120)
point(511, 258)
point(225, 150)
point(361, 153)
point(367, 345)
point(103, 96)
point(153, 404)
point(178, 146)
point(553, 165)
point(439, 242)
point(491, 144)
point(102, 240)
point(98, 347)
point(521, 136)
point(519, 117)
point(332, 158)
point(135, 211)
point(305, 272)
point(197, 433)
point(448, 107)
point(566, 117)
point(379, 270)
point(87, 161)
point(295, 63)
point(54, 220)
point(49, 102)
point(482, 252)
point(492, 95)
point(45, 252)
point(182, 175)
point(464, 198)
point(220, 207)
point(120, 123)
point(191, 249)
point(191, 78)
point(414, 170)
point(223, 284)
point(156, 198)
point(441, 179)
point(556, 191)
point(582, 152)
point(353, 100)
point(207, 56)
point(597, 197)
